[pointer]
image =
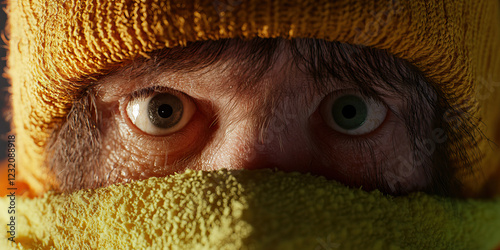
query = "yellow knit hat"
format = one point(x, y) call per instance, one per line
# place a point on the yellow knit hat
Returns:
point(57, 48)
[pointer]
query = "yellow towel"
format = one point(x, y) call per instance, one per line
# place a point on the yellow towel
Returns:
point(246, 209)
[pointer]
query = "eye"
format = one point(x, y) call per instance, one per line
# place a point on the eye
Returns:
point(353, 114)
point(160, 113)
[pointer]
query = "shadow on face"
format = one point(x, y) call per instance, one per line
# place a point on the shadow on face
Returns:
point(353, 114)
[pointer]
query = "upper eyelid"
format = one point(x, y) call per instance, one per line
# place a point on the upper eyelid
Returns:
point(375, 95)
point(118, 86)
point(146, 92)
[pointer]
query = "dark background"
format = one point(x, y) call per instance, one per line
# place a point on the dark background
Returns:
point(4, 91)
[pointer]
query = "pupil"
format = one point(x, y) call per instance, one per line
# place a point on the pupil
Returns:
point(349, 111)
point(165, 111)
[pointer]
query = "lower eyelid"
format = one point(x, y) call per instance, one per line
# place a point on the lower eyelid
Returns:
point(363, 151)
point(383, 125)
point(321, 128)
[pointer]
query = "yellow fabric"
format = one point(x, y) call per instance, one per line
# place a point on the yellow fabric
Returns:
point(57, 48)
point(250, 210)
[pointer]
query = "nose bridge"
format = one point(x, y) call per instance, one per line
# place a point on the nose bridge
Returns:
point(278, 125)
point(263, 125)
point(256, 138)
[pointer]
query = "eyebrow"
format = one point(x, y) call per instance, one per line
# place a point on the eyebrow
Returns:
point(324, 61)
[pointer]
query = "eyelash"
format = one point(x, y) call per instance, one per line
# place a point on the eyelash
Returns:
point(147, 92)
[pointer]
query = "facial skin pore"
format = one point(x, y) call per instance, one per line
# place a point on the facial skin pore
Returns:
point(265, 103)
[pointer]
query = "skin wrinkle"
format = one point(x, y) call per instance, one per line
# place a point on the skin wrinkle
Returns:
point(352, 72)
point(324, 62)
point(75, 148)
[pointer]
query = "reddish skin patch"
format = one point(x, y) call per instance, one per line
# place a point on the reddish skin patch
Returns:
point(22, 187)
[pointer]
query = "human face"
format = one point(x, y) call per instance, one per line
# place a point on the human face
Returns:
point(349, 113)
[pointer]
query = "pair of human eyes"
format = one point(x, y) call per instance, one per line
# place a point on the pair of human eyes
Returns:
point(165, 112)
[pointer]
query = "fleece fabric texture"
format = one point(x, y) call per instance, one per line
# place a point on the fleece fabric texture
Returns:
point(57, 49)
point(246, 209)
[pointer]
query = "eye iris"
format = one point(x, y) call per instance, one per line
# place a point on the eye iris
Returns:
point(165, 110)
point(349, 112)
